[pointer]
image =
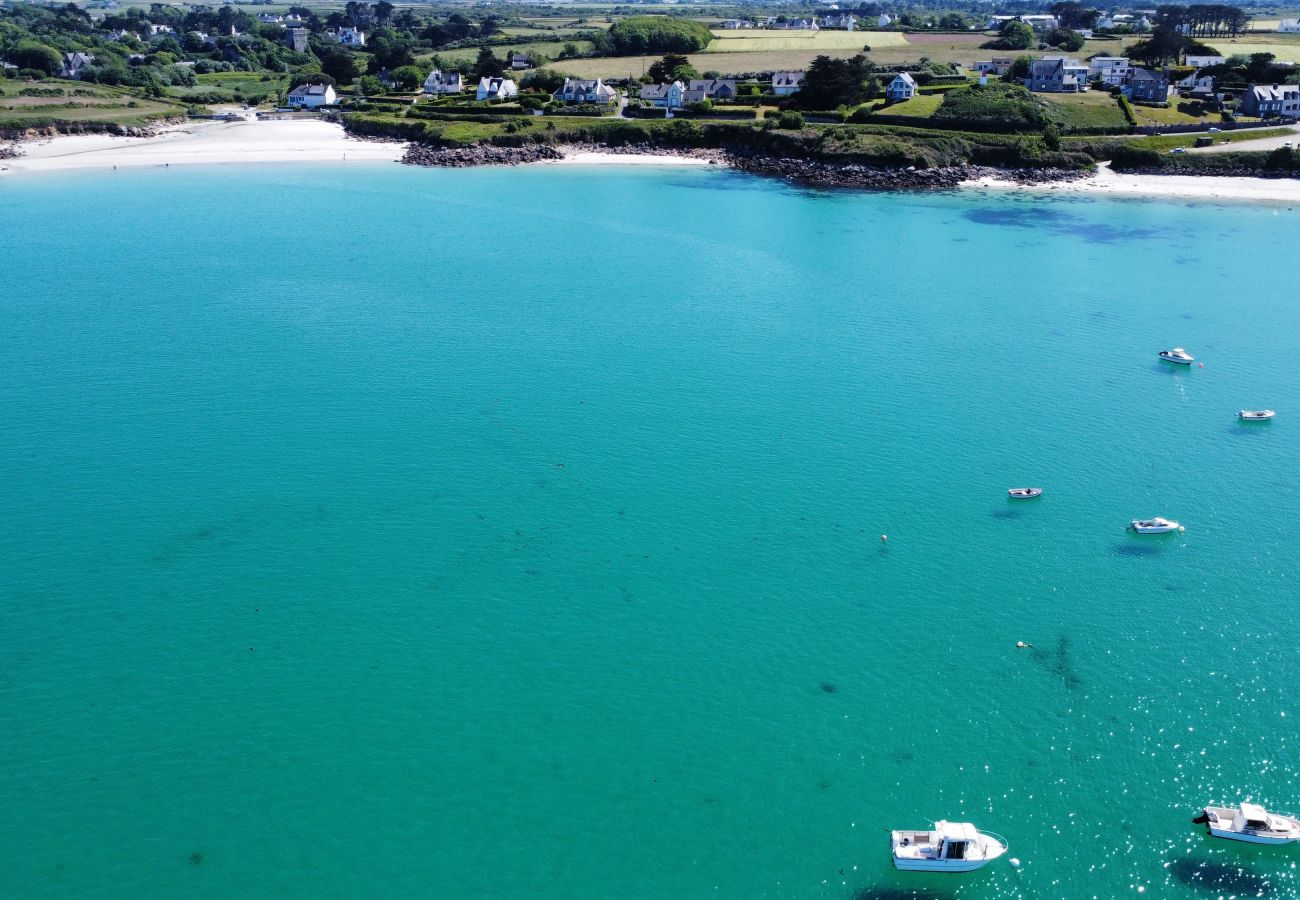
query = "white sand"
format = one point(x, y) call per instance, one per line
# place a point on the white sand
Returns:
point(202, 143)
point(587, 158)
point(311, 140)
point(1168, 187)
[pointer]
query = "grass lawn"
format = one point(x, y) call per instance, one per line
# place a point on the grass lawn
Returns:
point(247, 86)
point(1164, 142)
point(1094, 109)
point(1181, 112)
point(922, 106)
point(1286, 47)
point(79, 103)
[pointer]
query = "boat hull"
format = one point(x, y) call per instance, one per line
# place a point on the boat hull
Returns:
point(1176, 361)
point(1255, 417)
point(939, 865)
point(1250, 838)
point(1024, 493)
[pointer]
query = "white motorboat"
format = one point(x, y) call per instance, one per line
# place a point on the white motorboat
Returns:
point(1251, 823)
point(949, 847)
point(1155, 526)
point(1256, 415)
point(1177, 355)
point(1024, 493)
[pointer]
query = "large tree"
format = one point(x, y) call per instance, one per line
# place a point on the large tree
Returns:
point(38, 56)
point(830, 83)
point(672, 67)
point(488, 65)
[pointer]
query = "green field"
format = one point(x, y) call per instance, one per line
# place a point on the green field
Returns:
point(1094, 109)
point(921, 106)
point(249, 87)
point(88, 103)
point(1180, 112)
point(1286, 47)
point(766, 41)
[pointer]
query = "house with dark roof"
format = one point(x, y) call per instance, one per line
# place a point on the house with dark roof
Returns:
point(580, 90)
point(786, 83)
point(1147, 87)
point(667, 96)
point(73, 63)
point(701, 89)
point(1057, 75)
point(520, 61)
point(841, 21)
point(440, 82)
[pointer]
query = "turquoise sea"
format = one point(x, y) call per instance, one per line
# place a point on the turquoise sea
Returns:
point(370, 531)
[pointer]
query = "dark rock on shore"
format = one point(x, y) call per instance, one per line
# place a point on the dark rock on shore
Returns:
point(480, 155)
point(823, 174)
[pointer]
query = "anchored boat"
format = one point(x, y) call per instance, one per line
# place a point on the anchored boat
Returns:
point(1252, 823)
point(1024, 493)
point(1256, 415)
point(950, 847)
point(1177, 355)
point(1155, 526)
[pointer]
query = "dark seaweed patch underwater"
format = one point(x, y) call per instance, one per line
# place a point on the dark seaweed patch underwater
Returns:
point(1207, 875)
point(1060, 223)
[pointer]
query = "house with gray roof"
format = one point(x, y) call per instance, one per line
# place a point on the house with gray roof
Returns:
point(1267, 101)
point(74, 63)
point(1146, 86)
point(903, 87)
point(310, 96)
point(667, 96)
point(581, 90)
point(1057, 75)
point(440, 82)
point(786, 83)
point(701, 89)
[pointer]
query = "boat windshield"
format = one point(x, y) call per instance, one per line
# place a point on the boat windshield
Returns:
point(954, 850)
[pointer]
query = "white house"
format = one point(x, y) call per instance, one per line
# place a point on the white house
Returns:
point(578, 90)
point(669, 96)
point(732, 24)
point(998, 65)
point(1200, 62)
point(310, 96)
point(440, 82)
point(351, 37)
point(797, 25)
point(270, 19)
point(903, 87)
point(884, 21)
point(155, 30)
point(1289, 26)
point(496, 89)
point(1196, 83)
point(841, 21)
point(1038, 23)
point(786, 83)
point(701, 89)
point(1112, 70)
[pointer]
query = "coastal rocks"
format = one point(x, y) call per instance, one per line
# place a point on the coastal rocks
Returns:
point(481, 155)
point(10, 151)
point(822, 174)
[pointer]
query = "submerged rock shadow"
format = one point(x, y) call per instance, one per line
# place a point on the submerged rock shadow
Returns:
point(1208, 875)
point(896, 893)
point(1059, 222)
point(1059, 662)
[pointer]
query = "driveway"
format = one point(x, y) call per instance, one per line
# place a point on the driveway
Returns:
point(1270, 143)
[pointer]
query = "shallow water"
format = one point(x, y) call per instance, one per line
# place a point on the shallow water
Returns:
point(381, 531)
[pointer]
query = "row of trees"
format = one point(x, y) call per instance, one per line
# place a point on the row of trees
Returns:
point(1204, 20)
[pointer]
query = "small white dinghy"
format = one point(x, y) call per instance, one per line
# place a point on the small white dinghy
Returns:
point(1177, 355)
point(1024, 493)
point(1155, 526)
point(1251, 823)
point(1256, 415)
point(950, 847)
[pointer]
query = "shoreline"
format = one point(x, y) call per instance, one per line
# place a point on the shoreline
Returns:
point(316, 141)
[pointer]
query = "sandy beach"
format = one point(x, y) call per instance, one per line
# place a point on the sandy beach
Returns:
point(202, 143)
point(311, 140)
point(1168, 187)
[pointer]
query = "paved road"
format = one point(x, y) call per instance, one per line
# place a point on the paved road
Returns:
point(1262, 144)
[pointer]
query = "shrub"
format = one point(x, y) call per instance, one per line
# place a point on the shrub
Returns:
point(645, 35)
point(790, 120)
point(1003, 104)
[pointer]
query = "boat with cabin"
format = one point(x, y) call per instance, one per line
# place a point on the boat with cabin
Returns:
point(948, 847)
point(1157, 525)
point(1251, 823)
point(1177, 355)
point(1256, 415)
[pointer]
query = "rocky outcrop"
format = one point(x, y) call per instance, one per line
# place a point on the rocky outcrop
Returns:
point(479, 155)
point(827, 174)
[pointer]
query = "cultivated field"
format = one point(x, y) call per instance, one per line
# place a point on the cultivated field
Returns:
point(764, 41)
point(1286, 47)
